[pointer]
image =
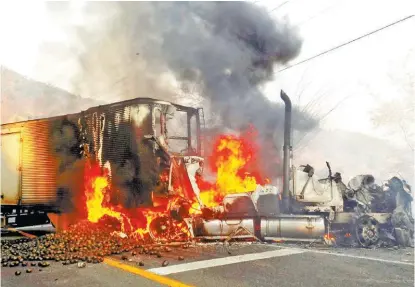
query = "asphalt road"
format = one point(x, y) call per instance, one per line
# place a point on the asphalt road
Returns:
point(247, 265)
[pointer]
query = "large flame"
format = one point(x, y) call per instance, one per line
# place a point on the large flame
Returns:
point(135, 222)
point(234, 160)
point(95, 199)
point(96, 190)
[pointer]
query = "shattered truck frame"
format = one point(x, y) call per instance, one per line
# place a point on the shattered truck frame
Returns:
point(41, 158)
point(313, 209)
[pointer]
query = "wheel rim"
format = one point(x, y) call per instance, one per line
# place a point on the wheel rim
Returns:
point(367, 231)
point(160, 228)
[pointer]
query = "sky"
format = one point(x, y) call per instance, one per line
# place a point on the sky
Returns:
point(374, 75)
point(357, 78)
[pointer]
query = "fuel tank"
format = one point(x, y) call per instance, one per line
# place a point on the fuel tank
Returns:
point(221, 228)
point(286, 227)
point(293, 227)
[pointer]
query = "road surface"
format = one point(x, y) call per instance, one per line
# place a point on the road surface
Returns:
point(211, 265)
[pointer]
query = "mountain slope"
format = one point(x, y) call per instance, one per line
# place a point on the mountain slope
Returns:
point(23, 99)
point(354, 153)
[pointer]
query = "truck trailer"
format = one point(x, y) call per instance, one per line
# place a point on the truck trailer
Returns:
point(40, 161)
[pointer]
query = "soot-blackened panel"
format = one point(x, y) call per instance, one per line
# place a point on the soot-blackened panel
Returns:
point(66, 145)
point(131, 159)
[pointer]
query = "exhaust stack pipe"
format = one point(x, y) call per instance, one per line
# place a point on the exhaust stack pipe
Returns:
point(286, 200)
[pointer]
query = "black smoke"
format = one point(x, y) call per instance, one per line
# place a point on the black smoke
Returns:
point(227, 50)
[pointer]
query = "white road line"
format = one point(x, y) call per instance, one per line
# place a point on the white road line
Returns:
point(354, 256)
point(362, 257)
point(222, 261)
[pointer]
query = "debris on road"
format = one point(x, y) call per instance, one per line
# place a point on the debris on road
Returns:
point(43, 264)
point(165, 263)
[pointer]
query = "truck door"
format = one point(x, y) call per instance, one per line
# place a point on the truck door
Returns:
point(10, 168)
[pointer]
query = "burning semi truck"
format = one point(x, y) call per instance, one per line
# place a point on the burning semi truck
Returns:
point(139, 163)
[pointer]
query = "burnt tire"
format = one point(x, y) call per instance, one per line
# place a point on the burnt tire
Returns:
point(366, 231)
point(160, 227)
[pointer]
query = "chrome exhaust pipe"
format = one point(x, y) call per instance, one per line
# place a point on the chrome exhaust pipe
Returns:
point(286, 199)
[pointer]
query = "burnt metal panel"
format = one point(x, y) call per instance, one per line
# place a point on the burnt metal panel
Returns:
point(130, 156)
point(115, 134)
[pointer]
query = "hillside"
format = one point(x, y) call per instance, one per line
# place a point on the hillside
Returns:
point(23, 98)
point(354, 153)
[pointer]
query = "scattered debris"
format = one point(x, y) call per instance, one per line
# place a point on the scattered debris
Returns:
point(82, 242)
point(43, 264)
point(141, 263)
point(81, 264)
point(28, 270)
point(165, 263)
point(120, 234)
point(17, 273)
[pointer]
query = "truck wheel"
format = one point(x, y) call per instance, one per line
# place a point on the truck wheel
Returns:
point(160, 228)
point(367, 230)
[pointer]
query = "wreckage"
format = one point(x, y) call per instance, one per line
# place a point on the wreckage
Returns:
point(150, 153)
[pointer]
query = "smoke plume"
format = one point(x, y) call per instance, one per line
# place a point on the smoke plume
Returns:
point(225, 50)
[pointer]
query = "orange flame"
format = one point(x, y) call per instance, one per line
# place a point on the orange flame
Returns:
point(135, 222)
point(329, 237)
point(234, 160)
point(96, 188)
